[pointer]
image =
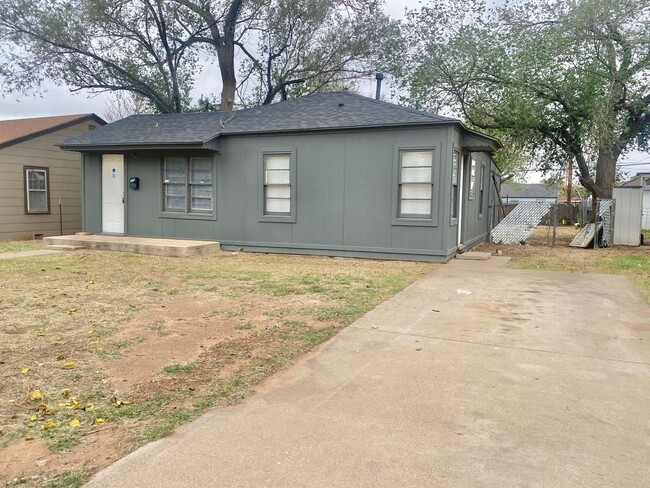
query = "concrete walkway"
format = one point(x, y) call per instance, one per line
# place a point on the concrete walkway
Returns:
point(475, 376)
point(26, 254)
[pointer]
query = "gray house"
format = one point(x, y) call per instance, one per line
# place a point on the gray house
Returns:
point(334, 174)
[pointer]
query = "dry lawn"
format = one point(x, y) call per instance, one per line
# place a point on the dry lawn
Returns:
point(101, 352)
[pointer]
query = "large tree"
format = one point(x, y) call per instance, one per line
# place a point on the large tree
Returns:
point(563, 77)
point(314, 45)
point(137, 46)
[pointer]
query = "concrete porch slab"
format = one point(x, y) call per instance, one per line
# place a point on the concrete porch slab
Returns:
point(138, 245)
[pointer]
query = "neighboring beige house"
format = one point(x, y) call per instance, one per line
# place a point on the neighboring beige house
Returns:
point(35, 175)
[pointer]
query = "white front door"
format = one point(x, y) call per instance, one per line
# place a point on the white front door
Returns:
point(113, 193)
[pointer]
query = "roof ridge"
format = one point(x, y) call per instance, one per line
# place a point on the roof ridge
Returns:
point(402, 107)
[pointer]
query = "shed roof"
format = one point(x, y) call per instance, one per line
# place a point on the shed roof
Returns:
point(18, 130)
point(530, 190)
point(322, 111)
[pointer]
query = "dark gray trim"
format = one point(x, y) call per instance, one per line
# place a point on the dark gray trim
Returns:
point(188, 214)
point(342, 251)
point(141, 147)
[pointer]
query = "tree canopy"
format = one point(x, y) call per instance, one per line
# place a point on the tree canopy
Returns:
point(154, 49)
point(565, 78)
point(99, 45)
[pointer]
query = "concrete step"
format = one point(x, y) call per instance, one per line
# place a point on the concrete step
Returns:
point(138, 245)
point(474, 256)
point(64, 247)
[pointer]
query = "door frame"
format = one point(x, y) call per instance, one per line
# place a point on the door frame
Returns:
point(124, 193)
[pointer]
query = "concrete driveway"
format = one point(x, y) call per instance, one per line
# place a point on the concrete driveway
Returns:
point(475, 376)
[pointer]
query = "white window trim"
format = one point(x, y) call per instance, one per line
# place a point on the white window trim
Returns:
point(398, 219)
point(455, 204)
point(46, 190)
point(481, 192)
point(264, 216)
point(472, 179)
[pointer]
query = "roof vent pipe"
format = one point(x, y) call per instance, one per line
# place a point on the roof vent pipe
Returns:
point(379, 76)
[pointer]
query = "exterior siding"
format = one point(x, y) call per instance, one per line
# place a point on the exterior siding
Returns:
point(475, 225)
point(65, 183)
point(346, 196)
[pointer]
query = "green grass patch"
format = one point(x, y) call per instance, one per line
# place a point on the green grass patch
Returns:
point(19, 246)
point(157, 326)
point(245, 326)
point(227, 314)
point(113, 349)
point(180, 368)
point(69, 479)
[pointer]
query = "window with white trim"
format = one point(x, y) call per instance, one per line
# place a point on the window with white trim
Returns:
point(455, 162)
point(481, 193)
point(188, 185)
point(415, 184)
point(277, 184)
point(472, 180)
point(37, 198)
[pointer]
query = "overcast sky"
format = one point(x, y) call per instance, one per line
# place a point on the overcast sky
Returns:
point(57, 100)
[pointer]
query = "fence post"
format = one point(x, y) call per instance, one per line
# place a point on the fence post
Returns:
point(554, 224)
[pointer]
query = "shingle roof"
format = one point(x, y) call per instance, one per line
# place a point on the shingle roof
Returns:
point(337, 110)
point(17, 130)
point(532, 190)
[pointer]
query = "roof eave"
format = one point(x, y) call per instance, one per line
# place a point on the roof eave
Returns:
point(209, 146)
point(65, 125)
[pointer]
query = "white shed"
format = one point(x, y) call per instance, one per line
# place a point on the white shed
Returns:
point(627, 219)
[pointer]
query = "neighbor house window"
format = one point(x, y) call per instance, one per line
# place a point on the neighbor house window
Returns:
point(481, 188)
point(37, 197)
point(472, 179)
point(188, 185)
point(277, 184)
point(454, 184)
point(415, 184)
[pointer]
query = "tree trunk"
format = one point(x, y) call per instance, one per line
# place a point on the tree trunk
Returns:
point(226, 56)
point(605, 174)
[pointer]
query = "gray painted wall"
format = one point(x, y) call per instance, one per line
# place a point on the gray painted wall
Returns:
point(346, 196)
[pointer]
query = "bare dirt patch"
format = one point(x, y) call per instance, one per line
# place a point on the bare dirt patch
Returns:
point(123, 348)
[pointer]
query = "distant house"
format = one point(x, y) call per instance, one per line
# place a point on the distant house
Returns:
point(333, 174)
point(534, 192)
point(643, 180)
point(36, 174)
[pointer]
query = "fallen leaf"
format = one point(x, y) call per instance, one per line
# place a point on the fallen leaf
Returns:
point(25, 370)
point(33, 418)
point(70, 364)
point(99, 420)
point(72, 310)
point(36, 395)
point(94, 342)
point(88, 407)
point(48, 425)
point(74, 423)
point(118, 403)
